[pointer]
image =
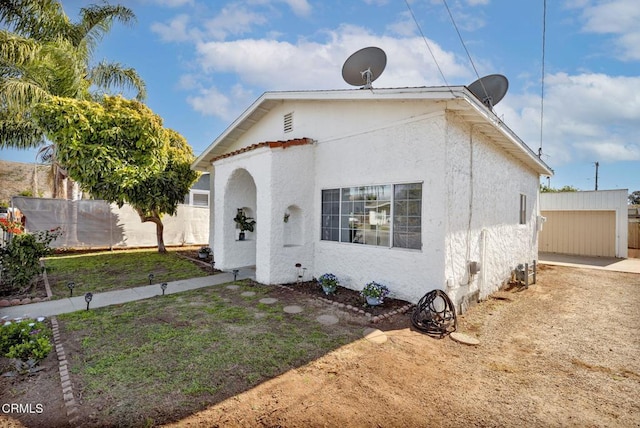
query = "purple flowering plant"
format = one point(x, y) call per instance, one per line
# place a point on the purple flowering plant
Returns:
point(376, 290)
point(328, 280)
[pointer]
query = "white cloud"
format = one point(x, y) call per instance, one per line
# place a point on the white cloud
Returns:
point(586, 117)
point(234, 19)
point(376, 2)
point(299, 7)
point(620, 18)
point(173, 3)
point(212, 102)
point(175, 31)
point(404, 26)
point(278, 65)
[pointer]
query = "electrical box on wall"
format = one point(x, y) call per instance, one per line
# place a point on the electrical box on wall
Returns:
point(474, 268)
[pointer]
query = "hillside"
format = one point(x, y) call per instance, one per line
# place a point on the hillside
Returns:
point(17, 177)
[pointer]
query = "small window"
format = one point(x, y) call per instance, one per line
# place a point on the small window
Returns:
point(201, 199)
point(198, 198)
point(523, 209)
point(288, 122)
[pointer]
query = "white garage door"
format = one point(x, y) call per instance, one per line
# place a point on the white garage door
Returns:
point(585, 233)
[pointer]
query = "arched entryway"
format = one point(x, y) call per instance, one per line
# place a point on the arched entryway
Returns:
point(240, 194)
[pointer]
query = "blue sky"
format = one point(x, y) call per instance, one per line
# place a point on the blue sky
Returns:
point(205, 62)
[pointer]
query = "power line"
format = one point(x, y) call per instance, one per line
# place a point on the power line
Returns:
point(544, 36)
point(426, 43)
point(462, 41)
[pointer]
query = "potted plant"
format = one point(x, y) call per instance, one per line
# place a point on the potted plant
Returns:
point(204, 252)
point(374, 293)
point(329, 283)
point(243, 223)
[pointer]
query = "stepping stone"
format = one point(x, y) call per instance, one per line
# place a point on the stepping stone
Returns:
point(233, 287)
point(248, 293)
point(464, 339)
point(268, 300)
point(293, 309)
point(327, 319)
point(374, 335)
point(259, 315)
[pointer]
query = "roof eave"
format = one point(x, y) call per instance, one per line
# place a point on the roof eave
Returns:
point(491, 125)
point(268, 100)
point(469, 107)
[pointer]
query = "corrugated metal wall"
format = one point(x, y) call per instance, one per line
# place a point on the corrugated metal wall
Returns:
point(586, 233)
point(592, 220)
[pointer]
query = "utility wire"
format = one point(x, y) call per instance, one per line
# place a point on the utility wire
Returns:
point(465, 48)
point(426, 43)
point(544, 36)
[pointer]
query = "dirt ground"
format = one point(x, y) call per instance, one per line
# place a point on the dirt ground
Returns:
point(562, 353)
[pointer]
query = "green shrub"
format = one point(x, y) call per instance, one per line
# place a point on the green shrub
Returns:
point(25, 340)
point(20, 258)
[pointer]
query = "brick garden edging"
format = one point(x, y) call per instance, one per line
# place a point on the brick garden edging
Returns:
point(65, 380)
point(63, 365)
point(374, 320)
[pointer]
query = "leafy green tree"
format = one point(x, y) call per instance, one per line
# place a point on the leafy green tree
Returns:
point(549, 189)
point(634, 198)
point(44, 53)
point(120, 152)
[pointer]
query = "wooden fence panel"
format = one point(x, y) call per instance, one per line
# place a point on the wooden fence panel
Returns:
point(634, 235)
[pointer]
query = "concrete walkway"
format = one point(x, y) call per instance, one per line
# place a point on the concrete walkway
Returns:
point(72, 304)
point(604, 263)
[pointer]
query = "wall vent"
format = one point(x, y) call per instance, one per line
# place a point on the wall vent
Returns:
point(288, 122)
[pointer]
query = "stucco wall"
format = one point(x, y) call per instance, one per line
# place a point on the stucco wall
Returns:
point(325, 121)
point(292, 193)
point(246, 181)
point(405, 152)
point(470, 205)
point(484, 185)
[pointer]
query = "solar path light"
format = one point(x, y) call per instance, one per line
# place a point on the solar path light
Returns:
point(87, 298)
point(71, 284)
point(164, 287)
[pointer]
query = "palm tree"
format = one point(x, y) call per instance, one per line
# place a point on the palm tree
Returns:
point(43, 53)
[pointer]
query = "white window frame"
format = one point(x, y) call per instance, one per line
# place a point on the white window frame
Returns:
point(391, 216)
point(193, 192)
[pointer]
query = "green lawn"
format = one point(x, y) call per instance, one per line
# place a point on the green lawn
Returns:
point(157, 360)
point(111, 270)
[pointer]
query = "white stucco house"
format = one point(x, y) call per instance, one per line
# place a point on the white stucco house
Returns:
point(417, 188)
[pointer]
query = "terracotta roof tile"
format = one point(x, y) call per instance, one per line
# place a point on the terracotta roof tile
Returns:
point(270, 144)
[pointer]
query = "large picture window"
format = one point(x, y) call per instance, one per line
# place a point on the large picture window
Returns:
point(386, 215)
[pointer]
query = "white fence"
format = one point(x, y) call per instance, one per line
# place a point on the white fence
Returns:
point(98, 224)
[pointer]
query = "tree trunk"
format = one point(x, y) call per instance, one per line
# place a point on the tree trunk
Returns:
point(160, 237)
point(155, 218)
point(34, 182)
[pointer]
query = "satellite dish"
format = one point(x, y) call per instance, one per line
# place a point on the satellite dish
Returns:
point(364, 66)
point(490, 89)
